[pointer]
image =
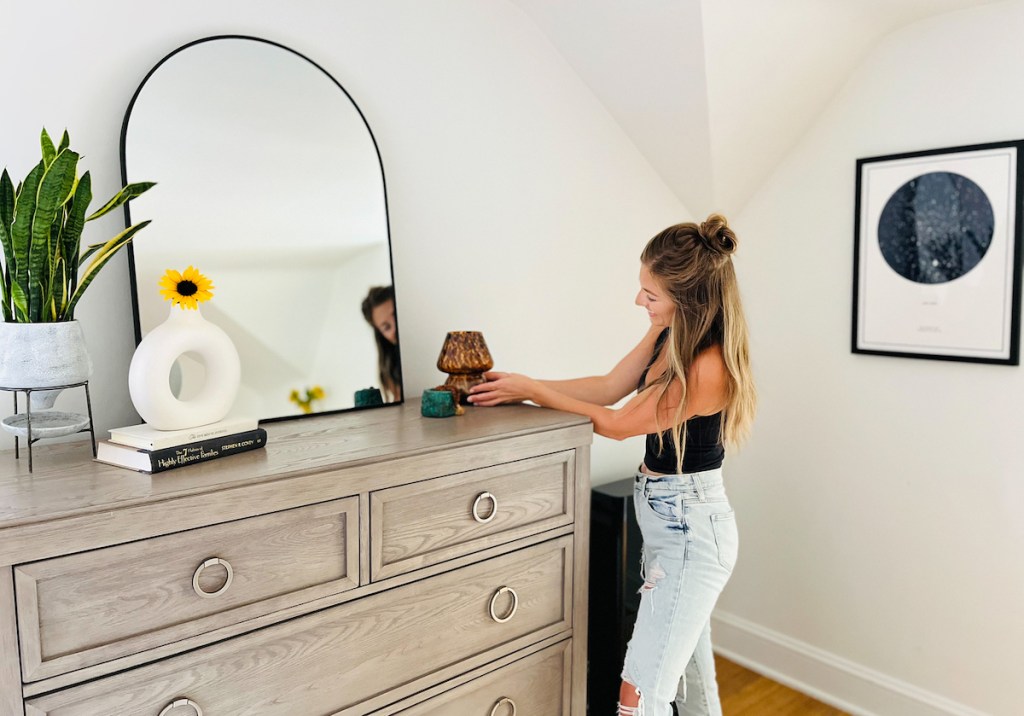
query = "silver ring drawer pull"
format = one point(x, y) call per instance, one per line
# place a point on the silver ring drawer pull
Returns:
point(511, 613)
point(476, 507)
point(199, 712)
point(504, 700)
point(212, 562)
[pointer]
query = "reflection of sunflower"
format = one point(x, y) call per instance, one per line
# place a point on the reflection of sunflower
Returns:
point(187, 289)
point(305, 401)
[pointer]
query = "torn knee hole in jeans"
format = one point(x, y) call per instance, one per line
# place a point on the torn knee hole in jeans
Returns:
point(650, 574)
point(637, 710)
point(626, 710)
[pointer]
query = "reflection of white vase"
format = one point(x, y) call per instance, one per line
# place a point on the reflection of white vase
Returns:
point(185, 331)
point(38, 355)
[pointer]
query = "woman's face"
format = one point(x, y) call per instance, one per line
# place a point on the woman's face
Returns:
point(383, 318)
point(654, 299)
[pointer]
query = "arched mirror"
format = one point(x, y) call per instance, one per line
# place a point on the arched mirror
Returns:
point(270, 183)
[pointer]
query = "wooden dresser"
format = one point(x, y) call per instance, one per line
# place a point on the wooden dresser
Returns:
point(374, 562)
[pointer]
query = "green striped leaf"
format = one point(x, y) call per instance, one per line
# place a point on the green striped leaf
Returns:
point(127, 194)
point(19, 303)
point(49, 151)
point(53, 192)
point(92, 249)
point(48, 275)
point(63, 288)
point(105, 253)
point(65, 142)
point(21, 238)
point(73, 225)
point(56, 288)
point(5, 295)
point(6, 200)
point(6, 218)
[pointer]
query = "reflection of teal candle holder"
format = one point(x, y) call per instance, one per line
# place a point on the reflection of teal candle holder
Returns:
point(368, 396)
point(437, 404)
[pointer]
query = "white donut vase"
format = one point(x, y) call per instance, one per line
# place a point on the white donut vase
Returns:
point(185, 331)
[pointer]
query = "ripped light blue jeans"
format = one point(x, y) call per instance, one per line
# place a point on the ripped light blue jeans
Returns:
point(690, 544)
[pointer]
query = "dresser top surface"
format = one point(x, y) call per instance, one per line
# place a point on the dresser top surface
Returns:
point(67, 481)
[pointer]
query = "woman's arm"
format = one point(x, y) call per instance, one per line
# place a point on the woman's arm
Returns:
point(612, 387)
point(594, 389)
point(641, 415)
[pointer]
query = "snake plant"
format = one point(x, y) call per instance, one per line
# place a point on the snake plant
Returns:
point(41, 223)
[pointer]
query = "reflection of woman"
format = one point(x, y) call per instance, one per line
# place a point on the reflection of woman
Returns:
point(379, 312)
point(695, 396)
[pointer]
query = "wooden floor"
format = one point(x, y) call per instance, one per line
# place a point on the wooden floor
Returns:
point(745, 693)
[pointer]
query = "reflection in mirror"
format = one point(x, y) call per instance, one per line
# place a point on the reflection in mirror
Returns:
point(270, 183)
point(379, 312)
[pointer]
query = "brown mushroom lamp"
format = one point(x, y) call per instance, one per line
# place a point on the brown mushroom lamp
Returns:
point(465, 358)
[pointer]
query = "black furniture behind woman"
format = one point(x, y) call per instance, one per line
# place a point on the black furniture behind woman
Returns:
point(614, 590)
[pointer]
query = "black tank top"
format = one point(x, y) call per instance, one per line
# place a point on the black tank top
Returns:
point(704, 449)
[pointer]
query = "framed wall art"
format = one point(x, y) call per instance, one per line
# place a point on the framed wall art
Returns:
point(937, 254)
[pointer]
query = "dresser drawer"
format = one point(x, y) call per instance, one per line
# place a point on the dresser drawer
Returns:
point(416, 525)
point(346, 659)
point(536, 685)
point(88, 608)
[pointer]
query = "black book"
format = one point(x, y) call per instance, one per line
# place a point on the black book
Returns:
point(151, 461)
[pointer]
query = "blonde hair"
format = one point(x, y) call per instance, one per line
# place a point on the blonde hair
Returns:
point(693, 263)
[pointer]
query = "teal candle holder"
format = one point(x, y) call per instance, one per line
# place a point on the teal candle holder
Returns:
point(368, 396)
point(437, 404)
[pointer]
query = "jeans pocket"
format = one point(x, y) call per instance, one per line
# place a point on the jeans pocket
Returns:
point(665, 505)
point(726, 538)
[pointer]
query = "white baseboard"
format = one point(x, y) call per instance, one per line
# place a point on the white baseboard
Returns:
point(828, 678)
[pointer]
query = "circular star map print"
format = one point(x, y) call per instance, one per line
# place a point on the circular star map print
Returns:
point(935, 228)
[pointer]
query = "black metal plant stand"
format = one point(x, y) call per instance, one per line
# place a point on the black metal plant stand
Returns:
point(55, 431)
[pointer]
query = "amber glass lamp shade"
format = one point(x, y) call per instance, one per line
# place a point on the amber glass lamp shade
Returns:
point(465, 358)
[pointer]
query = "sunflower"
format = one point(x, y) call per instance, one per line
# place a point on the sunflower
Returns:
point(186, 289)
point(305, 401)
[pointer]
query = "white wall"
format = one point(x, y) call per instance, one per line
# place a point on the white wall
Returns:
point(646, 64)
point(518, 207)
point(881, 500)
point(772, 67)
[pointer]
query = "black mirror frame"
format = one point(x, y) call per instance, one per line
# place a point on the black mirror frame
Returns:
point(387, 216)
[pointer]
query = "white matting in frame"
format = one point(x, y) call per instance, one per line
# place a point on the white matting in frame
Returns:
point(938, 253)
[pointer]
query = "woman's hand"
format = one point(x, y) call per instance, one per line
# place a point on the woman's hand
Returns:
point(502, 388)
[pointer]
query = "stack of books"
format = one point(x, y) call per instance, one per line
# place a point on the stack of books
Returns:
point(142, 448)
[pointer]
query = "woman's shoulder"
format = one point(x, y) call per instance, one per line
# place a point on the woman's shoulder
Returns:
point(711, 361)
point(708, 379)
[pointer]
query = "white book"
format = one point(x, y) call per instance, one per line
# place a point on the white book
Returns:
point(148, 438)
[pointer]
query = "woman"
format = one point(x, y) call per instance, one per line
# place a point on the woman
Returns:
point(379, 311)
point(695, 395)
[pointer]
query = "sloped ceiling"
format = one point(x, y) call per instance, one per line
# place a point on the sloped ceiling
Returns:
point(715, 93)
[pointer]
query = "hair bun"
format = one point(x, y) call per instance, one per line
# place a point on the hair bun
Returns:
point(717, 236)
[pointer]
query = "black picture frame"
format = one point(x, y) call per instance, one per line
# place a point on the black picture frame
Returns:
point(938, 254)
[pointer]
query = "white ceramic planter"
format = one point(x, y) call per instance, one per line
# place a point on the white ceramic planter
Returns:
point(40, 355)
